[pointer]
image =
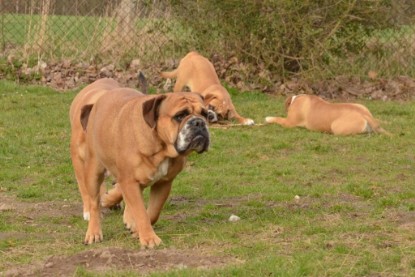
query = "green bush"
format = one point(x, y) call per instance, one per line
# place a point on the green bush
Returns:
point(285, 36)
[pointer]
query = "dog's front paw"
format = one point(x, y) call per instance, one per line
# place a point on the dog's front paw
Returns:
point(249, 122)
point(93, 236)
point(150, 240)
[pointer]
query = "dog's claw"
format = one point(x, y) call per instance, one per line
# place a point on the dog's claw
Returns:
point(94, 238)
point(150, 242)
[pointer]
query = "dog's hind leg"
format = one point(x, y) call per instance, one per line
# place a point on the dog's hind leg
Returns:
point(112, 197)
point(78, 165)
point(349, 125)
point(94, 176)
point(179, 85)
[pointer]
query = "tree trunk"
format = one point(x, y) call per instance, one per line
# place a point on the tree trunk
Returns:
point(124, 15)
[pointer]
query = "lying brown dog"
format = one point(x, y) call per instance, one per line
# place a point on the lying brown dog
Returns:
point(142, 140)
point(316, 114)
point(198, 73)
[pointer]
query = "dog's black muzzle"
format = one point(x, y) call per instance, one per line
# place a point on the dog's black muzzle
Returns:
point(212, 116)
point(193, 136)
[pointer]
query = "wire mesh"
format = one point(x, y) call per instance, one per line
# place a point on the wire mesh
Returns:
point(152, 30)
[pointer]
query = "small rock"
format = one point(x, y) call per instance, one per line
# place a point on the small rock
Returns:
point(42, 65)
point(181, 266)
point(49, 264)
point(234, 218)
point(66, 64)
point(297, 197)
point(135, 64)
point(167, 85)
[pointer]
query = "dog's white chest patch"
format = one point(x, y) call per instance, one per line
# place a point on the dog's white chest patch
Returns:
point(162, 170)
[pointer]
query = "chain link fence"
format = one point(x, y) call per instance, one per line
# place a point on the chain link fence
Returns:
point(81, 28)
point(264, 41)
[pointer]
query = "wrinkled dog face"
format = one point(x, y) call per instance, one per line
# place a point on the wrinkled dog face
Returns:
point(220, 107)
point(182, 122)
point(193, 135)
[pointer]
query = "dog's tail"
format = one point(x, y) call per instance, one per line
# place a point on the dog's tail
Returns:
point(374, 126)
point(169, 74)
point(142, 82)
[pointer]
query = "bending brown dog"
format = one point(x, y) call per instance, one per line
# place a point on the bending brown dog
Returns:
point(143, 140)
point(198, 73)
point(316, 114)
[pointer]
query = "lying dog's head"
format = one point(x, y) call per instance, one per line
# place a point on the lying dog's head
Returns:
point(219, 105)
point(180, 121)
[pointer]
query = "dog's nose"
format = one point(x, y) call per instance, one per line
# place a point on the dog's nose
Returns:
point(197, 122)
point(212, 117)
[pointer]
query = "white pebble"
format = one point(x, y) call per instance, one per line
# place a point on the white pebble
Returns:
point(234, 218)
point(297, 197)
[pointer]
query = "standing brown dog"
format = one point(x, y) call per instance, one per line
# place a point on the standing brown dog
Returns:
point(316, 114)
point(198, 73)
point(143, 140)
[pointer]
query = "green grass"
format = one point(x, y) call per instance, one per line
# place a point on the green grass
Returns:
point(81, 38)
point(355, 215)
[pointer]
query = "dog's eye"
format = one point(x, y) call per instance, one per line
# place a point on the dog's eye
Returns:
point(204, 113)
point(212, 108)
point(180, 116)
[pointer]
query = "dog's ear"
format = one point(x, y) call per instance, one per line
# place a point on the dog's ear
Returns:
point(85, 111)
point(208, 98)
point(151, 110)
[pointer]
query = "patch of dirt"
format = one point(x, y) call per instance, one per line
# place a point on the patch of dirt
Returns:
point(99, 260)
point(66, 74)
point(404, 219)
point(32, 211)
point(107, 259)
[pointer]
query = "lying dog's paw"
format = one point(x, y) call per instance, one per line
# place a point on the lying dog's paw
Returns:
point(249, 122)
